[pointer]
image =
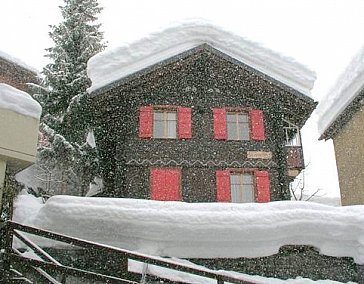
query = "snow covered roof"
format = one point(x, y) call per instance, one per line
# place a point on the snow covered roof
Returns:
point(343, 93)
point(112, 65)
point(17, 61)
point(19, 101)
point(227, 230)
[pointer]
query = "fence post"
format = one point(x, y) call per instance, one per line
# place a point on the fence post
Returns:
point(7, 250)
point(219, 280)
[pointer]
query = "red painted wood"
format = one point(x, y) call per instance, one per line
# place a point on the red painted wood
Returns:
point(166, 184)
point(223, 186)
point(146, 122)
point(220, 129)
point(257, 124)
point(184, 123)
point(263, 186)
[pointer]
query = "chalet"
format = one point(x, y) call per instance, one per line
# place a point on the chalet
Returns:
point(341, 118)
point(198, 114)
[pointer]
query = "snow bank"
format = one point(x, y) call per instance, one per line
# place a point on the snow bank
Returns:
point(344, 91)
point(19, 101)
point(112, 65)
point(206, 230)
point(26, 206)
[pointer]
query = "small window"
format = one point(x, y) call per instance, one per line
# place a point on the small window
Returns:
point(237, 126)
point(292, 134)
point(242, 188)
point(164, 124)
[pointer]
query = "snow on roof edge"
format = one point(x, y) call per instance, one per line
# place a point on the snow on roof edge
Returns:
point(114, 64)
point(19, 101)
point(17, 61)
point(343, 92)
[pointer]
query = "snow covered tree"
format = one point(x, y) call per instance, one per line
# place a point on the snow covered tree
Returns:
point(76, 39)
point(66, 116)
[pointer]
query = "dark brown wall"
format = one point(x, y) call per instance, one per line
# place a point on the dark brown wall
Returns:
point(202, 80)
point(16, 75)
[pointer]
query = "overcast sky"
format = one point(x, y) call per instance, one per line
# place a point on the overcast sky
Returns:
point(322, 34)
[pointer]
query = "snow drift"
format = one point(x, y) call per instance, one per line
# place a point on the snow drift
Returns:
point(206, 230)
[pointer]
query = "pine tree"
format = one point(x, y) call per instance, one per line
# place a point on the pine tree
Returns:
point(66, 117)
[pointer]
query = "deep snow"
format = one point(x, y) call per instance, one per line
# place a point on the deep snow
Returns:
point(18, 101)
point(114, 64)
point(205, 230)
point(343, 92)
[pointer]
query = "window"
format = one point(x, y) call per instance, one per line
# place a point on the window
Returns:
point(292, 134)
point(240, 186)
point(164, 124)
point(237, 124)
point(168, 122)
point(165, 184)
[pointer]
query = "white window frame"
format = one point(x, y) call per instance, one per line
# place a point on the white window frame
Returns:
point(296, 140)
point(165, 121)
point(238, 125)
point(238, 197)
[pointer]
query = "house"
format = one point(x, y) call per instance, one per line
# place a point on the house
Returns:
point(198, 114)
point(341, 118)
point(16, 73)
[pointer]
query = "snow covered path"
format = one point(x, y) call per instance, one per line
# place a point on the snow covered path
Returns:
point(205, 230)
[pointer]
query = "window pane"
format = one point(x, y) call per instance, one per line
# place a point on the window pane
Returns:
point(158, 115)
point(231, 117)
point(171, 128)
point(243, 117)
point(244, 131)
point(247, 179)
point(158, 131)
point(234, 179)
point(231, 129)
point(171, 116)
point(248, 193)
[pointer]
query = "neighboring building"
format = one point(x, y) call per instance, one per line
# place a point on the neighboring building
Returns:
point(341, 118)
point(19, 121)
point(16, 73)
point(197, 114)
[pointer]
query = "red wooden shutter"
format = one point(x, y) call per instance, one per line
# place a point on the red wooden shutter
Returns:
point(220, 131)
point(263, 186)
point(257, 124)
point(223, 186)
point(165, 184)
point(184, 123)
point(146, 122)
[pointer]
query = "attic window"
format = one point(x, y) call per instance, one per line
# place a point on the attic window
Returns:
point(292, 134)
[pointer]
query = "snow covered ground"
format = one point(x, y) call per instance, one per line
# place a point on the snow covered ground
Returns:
point(203, 230)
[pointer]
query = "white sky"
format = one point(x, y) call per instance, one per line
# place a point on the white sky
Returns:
point(322, 34)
